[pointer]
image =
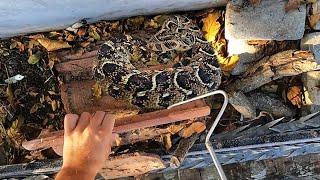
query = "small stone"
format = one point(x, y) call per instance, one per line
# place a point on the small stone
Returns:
point(311, 82)
point(265, 21)
point(247, 54)
point(311, 42)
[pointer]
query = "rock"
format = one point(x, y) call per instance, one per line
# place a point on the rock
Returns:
point(265, 21)
point(315, 9)
point(247, 54)
point(311, 82)
point(311, 42)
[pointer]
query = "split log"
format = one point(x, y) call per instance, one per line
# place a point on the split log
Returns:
point(190, 110)
point(131, 165)
point(286, 63)
point(241, 103)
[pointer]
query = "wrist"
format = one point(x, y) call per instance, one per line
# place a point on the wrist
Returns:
point(76, 172)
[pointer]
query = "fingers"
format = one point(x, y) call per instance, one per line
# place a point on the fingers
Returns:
point(70, 123)
point(97, 119)
point(83, 121)
point(108, 123)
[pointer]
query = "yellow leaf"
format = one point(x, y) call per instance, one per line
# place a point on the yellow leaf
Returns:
point(10, 96)
point(211, 26)
point(52, 92)
point(33, 43)
point(228, 63)
point(42, 99)
point(136, 21)
point(96, 90)
point(34, 59)
point(85, 44)
point(312, 1)
point(196, 127)
point(314, 19)
point(51, 64)
point(54, 105)
point(52, 45)
point(295, 95)
point(94, 34)
point(151, 24)
point(21, 46)
point(13, 45)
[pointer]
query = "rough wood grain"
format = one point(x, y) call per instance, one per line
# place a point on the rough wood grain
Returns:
point(286, 63)
point(190, 110)
point(131, 165)
point(182, 150)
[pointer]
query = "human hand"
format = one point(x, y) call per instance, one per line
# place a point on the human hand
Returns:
point(87, 144)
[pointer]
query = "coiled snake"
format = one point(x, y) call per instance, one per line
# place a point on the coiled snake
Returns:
point(197, 73)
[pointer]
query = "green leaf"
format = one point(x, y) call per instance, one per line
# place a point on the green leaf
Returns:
point(34, 58)
point(95, 35)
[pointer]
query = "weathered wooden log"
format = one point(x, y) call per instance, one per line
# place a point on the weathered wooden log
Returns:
point(131, 165)
point(286, 63)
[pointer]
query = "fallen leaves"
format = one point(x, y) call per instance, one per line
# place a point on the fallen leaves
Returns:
point(211, 26)
point(313, 20)
point(293, 5)
point(196, 127)
point(213, 32)
point(52, 45)
point(96, 91)
point(294, 95)
point(34, 58)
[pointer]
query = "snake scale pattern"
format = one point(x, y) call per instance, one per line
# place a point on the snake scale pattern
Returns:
point(118, 73)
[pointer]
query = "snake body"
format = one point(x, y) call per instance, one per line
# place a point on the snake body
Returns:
point(197, 73)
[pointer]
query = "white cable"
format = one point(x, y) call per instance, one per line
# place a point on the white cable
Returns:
point(215, 123)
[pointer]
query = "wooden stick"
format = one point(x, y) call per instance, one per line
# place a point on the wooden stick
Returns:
point(190, 110)
point(182, 150)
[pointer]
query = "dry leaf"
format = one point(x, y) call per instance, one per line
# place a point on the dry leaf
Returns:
point(254, 2)
point(314, 19)
point(94, 34)
point(196, 127)
point(81, 32)
point(167, 141)
point(85, 44)
point(13, 45)
point(20, 46)
point(151, 24)
point(34, 58)
point(52, 45)
point(9, 94)
point(34, 108)
point(51, 64)
point(36, 36)
point(136, 21)
point(32, 43)
point(294, 95)
point(96, 90)
point(52, 92)
point(293, 5)
point(312, 1)
point(228, 63)
point(54, 105)
point(211, 26)
point(70, 37)
point(42, 99)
